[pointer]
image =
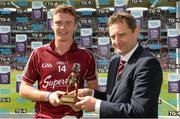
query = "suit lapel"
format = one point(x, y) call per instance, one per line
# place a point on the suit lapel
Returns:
point(120, 78)
point(112, 75)
point(128, 66)
point(115, 66)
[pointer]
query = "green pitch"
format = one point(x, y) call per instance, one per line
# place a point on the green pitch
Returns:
point(168, 100)
point(17, 104)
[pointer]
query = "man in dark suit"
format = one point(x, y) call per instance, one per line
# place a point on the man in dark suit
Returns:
point(135, 91)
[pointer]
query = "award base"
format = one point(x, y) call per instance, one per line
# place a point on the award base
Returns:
point(68, 99)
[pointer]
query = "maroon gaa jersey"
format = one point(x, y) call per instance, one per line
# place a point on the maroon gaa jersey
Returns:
point(51, 71)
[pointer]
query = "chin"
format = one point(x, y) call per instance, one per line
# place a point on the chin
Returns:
point(58, 38)
point(118, 51)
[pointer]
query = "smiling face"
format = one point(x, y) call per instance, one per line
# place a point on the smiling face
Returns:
point(123, 32)
point(63, 25)
point(122, 37)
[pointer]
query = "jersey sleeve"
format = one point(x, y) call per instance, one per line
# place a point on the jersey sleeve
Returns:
point(91, 66)
point(31, 70)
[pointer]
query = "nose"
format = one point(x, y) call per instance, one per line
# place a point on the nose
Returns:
point(117, 39)
point(62, 26)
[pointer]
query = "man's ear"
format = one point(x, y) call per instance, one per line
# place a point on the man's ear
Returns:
point(138, 30)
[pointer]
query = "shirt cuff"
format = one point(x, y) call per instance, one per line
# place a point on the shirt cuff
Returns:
point(92, 93)
point(97, 106)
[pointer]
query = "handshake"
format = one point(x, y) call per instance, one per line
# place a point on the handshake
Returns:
point(77, 100)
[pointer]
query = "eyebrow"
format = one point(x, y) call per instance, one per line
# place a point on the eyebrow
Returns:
point(123, 33)
point(63, 21)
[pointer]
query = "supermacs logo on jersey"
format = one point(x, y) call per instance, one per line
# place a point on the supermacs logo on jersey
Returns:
point(52, 83)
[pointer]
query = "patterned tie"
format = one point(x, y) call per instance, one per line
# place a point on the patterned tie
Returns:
point(120, 68)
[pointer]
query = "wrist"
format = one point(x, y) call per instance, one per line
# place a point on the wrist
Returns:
point(47, 97)
point(90, 92)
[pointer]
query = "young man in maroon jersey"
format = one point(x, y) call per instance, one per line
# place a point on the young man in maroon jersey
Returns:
point(50, 65)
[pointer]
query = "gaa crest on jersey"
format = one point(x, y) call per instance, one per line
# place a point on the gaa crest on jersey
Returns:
point(46, 65)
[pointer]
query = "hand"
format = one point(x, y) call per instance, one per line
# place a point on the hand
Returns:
point(82, 92)
point(54, 98)
point(86, 103)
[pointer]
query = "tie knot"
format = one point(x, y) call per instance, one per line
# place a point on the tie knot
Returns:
point(120, 67)
point(122, 62)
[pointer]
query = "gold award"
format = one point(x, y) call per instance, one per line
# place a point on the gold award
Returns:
point(73, 80)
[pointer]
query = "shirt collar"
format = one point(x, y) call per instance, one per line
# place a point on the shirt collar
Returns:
point(128, 55)
point(73, 46)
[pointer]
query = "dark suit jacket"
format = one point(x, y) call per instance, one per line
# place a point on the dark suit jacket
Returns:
point(135, 93)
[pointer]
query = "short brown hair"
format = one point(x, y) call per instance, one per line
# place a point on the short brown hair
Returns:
point(65, 9)
point(123, 17)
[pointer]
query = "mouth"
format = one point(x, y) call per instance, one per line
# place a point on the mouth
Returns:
point(62, 33)
point(118, 46)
